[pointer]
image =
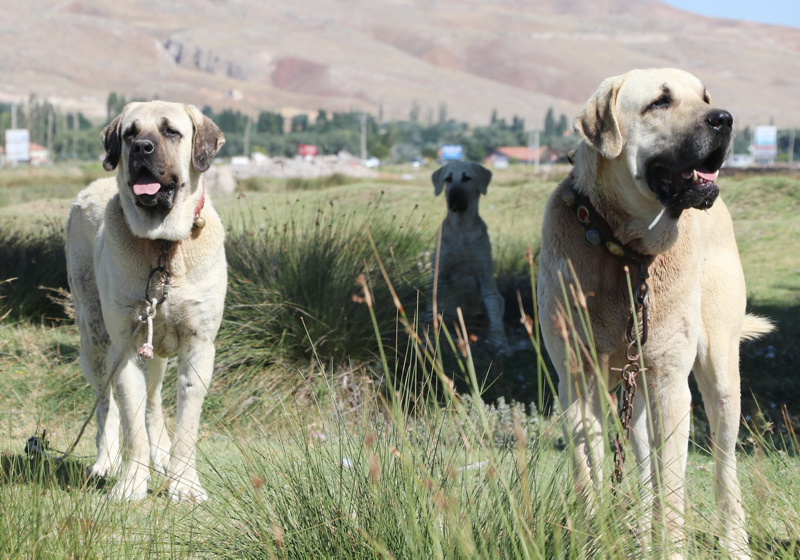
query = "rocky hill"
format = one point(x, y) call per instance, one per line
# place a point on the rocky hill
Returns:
point(518, 56)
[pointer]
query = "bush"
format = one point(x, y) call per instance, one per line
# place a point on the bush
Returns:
point(292, 286)
point(30, 262)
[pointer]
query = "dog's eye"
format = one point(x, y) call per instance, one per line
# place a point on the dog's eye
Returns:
point(130, 133)
point(661, 103)
point(465, 178)
point(170, 132)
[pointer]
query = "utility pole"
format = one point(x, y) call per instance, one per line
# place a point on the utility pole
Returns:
point(247, 137)
point(790, 157)
point(50, 131)
point(363, 136)
point(535, 149)
point(75, 136)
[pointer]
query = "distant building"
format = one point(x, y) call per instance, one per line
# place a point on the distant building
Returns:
point(39, 155)
point(497, 160)
point(520, 154)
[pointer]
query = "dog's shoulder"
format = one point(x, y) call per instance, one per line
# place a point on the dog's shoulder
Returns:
point(92, 201)
point(560, 228)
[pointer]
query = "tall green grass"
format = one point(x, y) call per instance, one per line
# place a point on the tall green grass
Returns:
point(445, 479)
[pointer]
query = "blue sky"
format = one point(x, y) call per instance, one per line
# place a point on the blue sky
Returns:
point(783, 12)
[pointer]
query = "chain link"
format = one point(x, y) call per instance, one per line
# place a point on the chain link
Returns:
point(630, 370)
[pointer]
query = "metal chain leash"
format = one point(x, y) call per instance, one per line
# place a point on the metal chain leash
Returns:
point(149, 315)
point(631, 369)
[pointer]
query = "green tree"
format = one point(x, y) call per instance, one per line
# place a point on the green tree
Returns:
point(300, 123)
point(269, 123)
point(413, 115)
point(561, 127)
point(549, 123)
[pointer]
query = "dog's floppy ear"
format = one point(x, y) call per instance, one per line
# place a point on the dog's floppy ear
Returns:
point(438, 178)
point(597, 122)
point(207, 140)
point(112, 142)
point(483, 177)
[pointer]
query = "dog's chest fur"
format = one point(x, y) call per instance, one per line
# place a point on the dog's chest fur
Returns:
point(195, 271)
point(603, 280)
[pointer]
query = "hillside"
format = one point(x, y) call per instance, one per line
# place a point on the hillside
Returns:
point(518, 56)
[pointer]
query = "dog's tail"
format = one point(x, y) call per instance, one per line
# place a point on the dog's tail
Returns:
point(755, 326)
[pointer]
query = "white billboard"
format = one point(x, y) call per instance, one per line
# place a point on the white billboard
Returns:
point(18, 144)
point(765, 142)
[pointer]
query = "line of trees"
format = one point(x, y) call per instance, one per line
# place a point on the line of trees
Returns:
point(73, 136)
point(397, 140)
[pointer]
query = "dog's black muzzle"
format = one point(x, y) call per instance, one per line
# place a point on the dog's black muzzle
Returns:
point(457, 198)
point(677, 179)
point(145, 164)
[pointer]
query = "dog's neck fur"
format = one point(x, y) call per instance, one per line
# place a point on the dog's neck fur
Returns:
point(614, 194)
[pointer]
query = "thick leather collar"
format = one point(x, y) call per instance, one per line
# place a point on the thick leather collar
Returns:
point(598, 232)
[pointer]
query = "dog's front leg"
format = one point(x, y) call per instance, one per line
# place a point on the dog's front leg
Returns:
point(670, 405)
point(582, 424)
point(495, 307)
point(154, 418)
point(131, 388)
point(195, 367)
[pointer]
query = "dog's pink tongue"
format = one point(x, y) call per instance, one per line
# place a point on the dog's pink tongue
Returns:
point(142, 187)
point(708, 177)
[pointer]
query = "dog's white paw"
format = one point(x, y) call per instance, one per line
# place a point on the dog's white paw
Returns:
point(101, 469)
point(125, 493)
point(131, 487)
point(182, 491)
point(160, 462)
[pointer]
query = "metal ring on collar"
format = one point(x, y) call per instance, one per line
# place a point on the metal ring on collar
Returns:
point(164, 290)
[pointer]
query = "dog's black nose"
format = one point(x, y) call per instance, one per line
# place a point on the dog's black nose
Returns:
point(143, 146)
point(719, 120)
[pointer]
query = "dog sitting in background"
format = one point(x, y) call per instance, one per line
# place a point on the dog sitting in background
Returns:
point(466, 269)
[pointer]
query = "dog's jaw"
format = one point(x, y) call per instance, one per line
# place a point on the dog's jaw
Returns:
point(170, 219)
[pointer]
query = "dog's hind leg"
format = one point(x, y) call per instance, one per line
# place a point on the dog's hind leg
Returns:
point(94, 358)
point(717, 373)
point(154, 417)
point(495, 307)
point(94, 364)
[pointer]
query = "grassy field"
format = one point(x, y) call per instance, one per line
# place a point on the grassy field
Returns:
point(301, 453)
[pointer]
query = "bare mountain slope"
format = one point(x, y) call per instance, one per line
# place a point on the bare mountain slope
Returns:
point(519, 56)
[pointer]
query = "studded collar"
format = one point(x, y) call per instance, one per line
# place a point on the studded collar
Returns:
point(598, 231)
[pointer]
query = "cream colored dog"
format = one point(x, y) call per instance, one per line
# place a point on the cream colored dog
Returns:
point(466, 269)
point(117, 231)
point(652, 147)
